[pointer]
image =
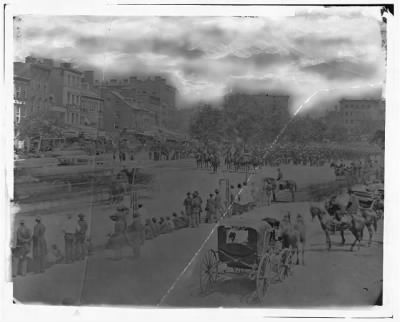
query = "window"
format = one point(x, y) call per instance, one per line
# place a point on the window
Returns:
point(17, 92)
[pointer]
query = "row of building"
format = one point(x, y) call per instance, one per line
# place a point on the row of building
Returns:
point(139, 104)
point(87, 105)
point(358, 115)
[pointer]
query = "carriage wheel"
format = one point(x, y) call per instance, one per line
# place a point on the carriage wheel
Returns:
point(263, 276)
point(208, 271)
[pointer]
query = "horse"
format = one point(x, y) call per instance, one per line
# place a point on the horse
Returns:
point(290, 185)
point(355, 225)
point(215, 163)
point(293, 236)
point(199, 160)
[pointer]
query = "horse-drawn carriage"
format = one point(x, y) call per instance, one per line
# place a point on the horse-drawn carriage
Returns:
point(369, 200)
point(246, 247)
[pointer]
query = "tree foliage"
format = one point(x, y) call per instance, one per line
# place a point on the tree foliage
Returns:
point(42, 123)
point(379, 138)
point(253, 125)
point(207, 125)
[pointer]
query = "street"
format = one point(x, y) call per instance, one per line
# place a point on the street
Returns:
point(335, 277)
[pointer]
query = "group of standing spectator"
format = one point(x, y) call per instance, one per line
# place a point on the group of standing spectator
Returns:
point(193, 208)
point(31, 252)
point(127, 232)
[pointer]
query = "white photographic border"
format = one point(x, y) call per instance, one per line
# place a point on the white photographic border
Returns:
point(13, 312)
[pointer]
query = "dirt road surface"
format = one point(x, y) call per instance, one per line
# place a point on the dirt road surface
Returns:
point(162, 274)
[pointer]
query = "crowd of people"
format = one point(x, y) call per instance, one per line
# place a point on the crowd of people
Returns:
point(32, 254)
point(134, 232)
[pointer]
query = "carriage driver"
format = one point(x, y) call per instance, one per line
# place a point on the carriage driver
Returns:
point(333, 208)
point(280, 175)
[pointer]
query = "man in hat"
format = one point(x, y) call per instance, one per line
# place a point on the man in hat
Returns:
point(123, 213)
point(24, 238)
point(135, 231)
point(196, 208)
point(187, 203)
point(210, 209)
point(80, 237)
point(39, 246)
point(69, 228)
point(143, 216)
point(219, 209)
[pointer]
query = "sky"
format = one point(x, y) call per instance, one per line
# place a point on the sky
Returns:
point(207, 57)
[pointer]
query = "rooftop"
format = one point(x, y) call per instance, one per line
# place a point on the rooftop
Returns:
point(122, 98)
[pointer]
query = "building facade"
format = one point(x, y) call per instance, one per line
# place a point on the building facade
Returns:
point(66, 87)
point(91, 109)
point(362, 115)
point(152, 93)
point(38, 92)
point(21, 96)
point(120, 114)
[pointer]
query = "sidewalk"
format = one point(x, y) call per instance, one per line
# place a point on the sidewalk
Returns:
point(126, 282)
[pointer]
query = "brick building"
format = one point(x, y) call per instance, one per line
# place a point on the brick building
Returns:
point(362, 115)
point(37, 91)
point(91, 109)
point(65, 88)
point(152, 93)
point(121, 114)
point(21, 96)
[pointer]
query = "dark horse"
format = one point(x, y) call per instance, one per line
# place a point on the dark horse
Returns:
point(354, 223)
point(290, 185)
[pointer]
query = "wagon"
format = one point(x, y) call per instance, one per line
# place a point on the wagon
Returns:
point(246, 248)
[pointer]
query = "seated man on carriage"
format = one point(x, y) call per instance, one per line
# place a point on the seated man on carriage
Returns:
point(335, 210)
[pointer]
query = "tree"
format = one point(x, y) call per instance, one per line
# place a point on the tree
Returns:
point(337, 133)
point(207, 125)
point(40, 124)
point(379, 139)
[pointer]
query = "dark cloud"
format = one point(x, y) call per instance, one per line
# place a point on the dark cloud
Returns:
point(174, 48)
point(317, 42)
point(343, 70)
point(263, 59)
point(206, 55)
